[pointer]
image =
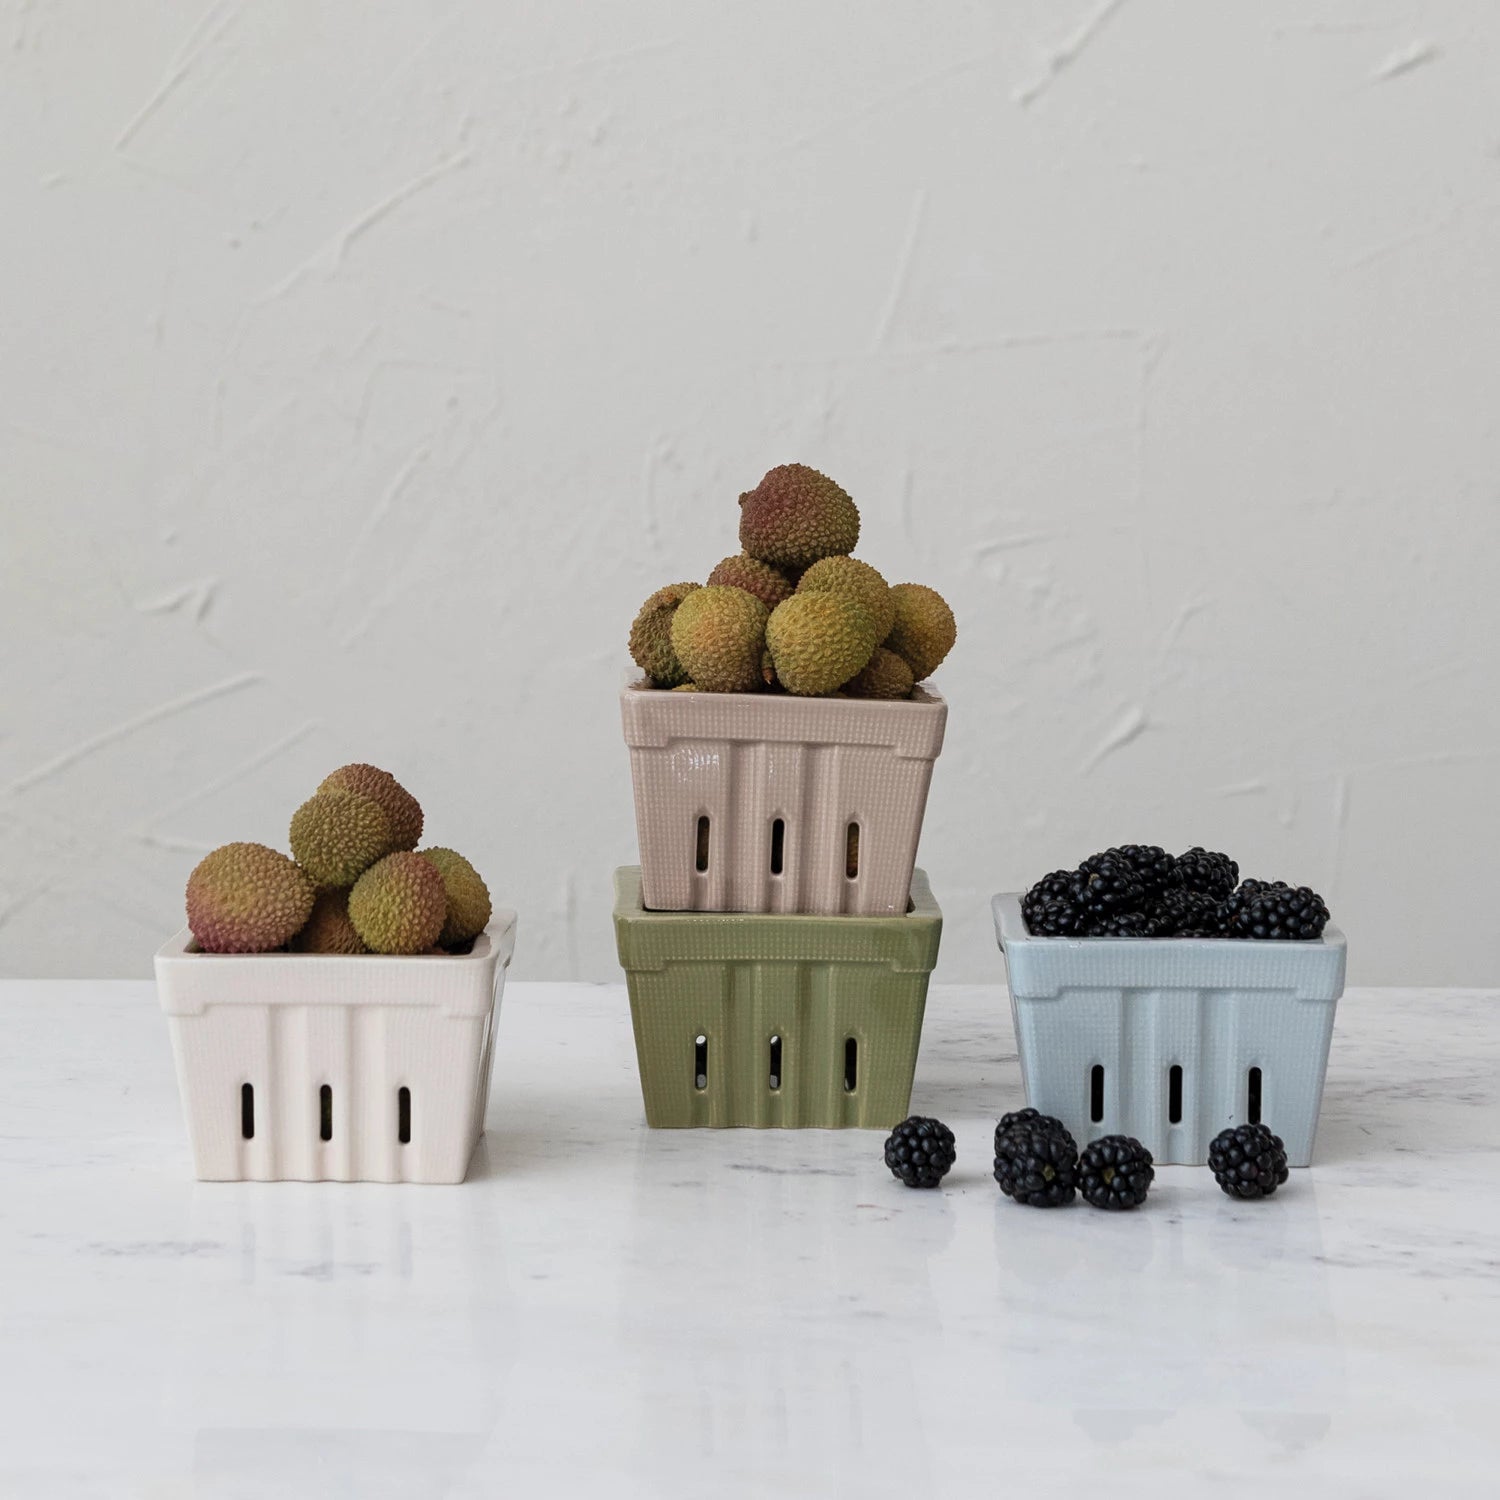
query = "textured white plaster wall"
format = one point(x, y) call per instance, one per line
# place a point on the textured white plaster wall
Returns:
point(363, 364)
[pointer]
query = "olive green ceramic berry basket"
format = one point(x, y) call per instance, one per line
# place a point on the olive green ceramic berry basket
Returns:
point(772, 1020)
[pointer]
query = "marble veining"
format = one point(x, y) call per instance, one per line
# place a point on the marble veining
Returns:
point(607, 1309)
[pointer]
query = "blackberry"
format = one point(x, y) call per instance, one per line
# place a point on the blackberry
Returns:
point(1203, 870)
point(1053, 906)
point(1108, 883)
point(1036, 1165)
point(1237, 900)
point(1281, 914)
point(1152, 864)
point(1115, 1172)
point(1248, 1161)
point(1182, 912)
point(1122, 924)
point(920, 1151)
point(1031, 1119)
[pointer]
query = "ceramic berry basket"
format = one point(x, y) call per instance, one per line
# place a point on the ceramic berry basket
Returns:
point(772, 1020)
point(764, 802)
point(327, 1068)
point(1172, 1040)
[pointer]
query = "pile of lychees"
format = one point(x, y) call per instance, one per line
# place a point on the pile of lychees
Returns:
point(794, 612)
point(355, 883)
point(1139, 890)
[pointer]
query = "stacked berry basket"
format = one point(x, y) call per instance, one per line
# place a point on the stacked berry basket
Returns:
point(1166, 999)
point(777, 938)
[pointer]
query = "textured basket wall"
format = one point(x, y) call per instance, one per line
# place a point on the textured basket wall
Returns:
point(288, 1026)
point(710, 992)
point(1101, 1023)
point(740, 763)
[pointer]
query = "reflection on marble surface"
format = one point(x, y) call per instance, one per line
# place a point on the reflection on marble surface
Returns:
point(690, 1314)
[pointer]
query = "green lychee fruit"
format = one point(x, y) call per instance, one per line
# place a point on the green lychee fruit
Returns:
point(818, 642)
point(336, 836)
point(380, 786)
point(861, 582)
point(468, 896)
point(719, 635)
point(925, 629)
point(246, 898)
point(399, 905)
point(651, 636)
point(885, 675)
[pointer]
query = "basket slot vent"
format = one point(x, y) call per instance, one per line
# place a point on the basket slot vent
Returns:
point(325, 1113)
point(775, 1064)
point(1096, 1093)
point(700, 1062)
point(778, 845)
point(700, 861)
point(851, 851)
point(403, 1115)
point(1174, 1095)
point(851, 1065)
point(247, 1111)
point(1252, 1096)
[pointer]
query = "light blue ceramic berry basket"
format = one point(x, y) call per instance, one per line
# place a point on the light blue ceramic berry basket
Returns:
point(1172, 1040)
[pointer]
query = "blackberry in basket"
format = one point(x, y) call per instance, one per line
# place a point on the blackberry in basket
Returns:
point(1248, 1161)
point(1236, 901)
point(1280, 913)
point(1204, 870)
point(1181, 912)
point(1036, 1165)
point(1152, 865)
point(1108, 885)
point(920, 1151)
point(1115, 1171)
point(1053, 907)
point(1123, 924)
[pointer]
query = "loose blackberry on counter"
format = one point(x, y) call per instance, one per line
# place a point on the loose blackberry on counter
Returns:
point(1036, 1165)
point(1280, 914)
point(1115, 1172)
point(920, 1151)
point(1201, 869)
point(1031, 1119)
point(1248, 1161)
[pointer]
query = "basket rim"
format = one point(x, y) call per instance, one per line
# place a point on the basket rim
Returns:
point(924, 695)
point(498, 940)
point(627, 886)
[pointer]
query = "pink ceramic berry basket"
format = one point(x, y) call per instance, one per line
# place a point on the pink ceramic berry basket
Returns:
point(762, 802)
point(334, 1068)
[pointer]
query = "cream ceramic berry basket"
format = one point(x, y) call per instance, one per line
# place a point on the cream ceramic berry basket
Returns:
point(334, 1068)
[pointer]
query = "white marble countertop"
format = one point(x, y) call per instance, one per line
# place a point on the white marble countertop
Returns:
point(605, 1309)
